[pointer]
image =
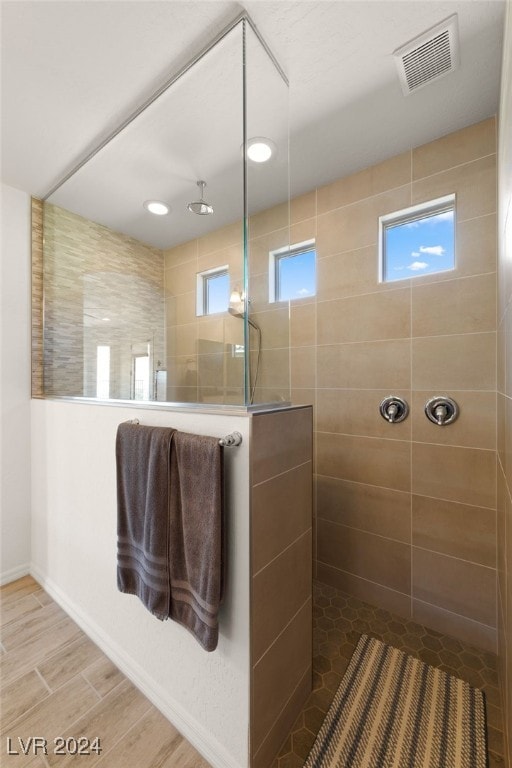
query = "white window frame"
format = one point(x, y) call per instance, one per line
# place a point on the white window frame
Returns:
point(289, 251)
point(202, 288)
point(413, 213)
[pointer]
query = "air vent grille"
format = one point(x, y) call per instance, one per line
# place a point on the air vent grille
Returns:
point(429, 56)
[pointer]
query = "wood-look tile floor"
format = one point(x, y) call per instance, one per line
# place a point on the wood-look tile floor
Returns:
point(56, 683)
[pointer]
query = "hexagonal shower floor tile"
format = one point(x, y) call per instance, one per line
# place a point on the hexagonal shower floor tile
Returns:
point(338, 622)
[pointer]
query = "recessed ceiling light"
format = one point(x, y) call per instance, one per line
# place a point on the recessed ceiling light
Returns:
point(156, 207)
point(260, 149)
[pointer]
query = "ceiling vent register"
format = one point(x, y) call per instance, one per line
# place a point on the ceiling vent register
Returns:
point(428, 57)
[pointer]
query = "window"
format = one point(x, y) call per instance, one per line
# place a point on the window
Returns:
point(418, 240)
point(292, 272)
point(213, 291)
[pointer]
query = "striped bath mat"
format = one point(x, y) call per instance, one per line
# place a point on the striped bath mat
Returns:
point(393, 711)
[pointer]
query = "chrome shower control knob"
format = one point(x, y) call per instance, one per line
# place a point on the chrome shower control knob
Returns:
point(441, 410)
point(394, 409)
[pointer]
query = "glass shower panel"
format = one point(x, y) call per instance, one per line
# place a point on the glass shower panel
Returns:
point(267, 155)
point(175, 307)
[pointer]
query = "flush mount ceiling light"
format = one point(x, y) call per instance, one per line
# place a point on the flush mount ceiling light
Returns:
point(260, 149)
point(201, 207)
point(156, 207)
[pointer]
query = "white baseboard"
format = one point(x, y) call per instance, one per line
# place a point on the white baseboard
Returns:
point(14, 573)
point(192, 730)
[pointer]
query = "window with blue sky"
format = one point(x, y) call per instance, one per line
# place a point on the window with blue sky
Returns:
point(212, 291)
point(419, 240)
point(293, 272)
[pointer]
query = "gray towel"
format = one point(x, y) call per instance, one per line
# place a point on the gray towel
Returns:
point(196, 535)
point(143, 501)
point(170, 530)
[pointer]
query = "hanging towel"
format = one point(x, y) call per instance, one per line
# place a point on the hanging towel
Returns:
point(196, 535)
point(170, 527)
point(143, 505)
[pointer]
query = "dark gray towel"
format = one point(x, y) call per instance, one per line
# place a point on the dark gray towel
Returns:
point(170, 529)
point(196, 536)
point(143, 502)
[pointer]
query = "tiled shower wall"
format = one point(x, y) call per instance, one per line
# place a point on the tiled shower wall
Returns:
point(204, 355)
point(406, 513)
point(100, 288)
point(504, 457)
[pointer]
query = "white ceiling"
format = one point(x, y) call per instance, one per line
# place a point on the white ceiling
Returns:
point(74, 70)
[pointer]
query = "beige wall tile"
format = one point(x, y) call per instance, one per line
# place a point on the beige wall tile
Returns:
point(462, 146)
point(455, 585)
point(356, 226)
point(280, 441)
point(473, 183)
point(374, 316)
point(475, 426)
point(465, 305)
point(261, 246)
point(382, 364)
point(501, 430)
point(303, 367)
point(267, 221)
point(185, 340)
point(227, 236)
point(302, 231)
point(454, 362)
point(275, 327)
point(385, 463)
point(472, 632)
point(180, 254)
point(180, 279)
point(303, 397)
point(274, 372)
point(508, 351)
point(502, 515)
point(356, 412)
point(476, 246)
point(351, 273)
point(258, 293)
point(375, 594)
point(303, 207)
point(278, 592)
point(232, 256)
point(454, 529)
point(389, 174)
point(374, 510)
point(186, 308)
point(302, 325)
point(508, 441)
point(501, 363)
point(280, 513)
point(467, 475)
point(279, 672)
point(375, 558)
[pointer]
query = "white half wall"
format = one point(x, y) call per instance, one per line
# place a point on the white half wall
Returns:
point(15, 374)
point(205, 695)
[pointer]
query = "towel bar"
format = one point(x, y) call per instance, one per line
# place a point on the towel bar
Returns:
point(234, 438)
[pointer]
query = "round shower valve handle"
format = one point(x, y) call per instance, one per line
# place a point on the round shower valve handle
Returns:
point(394, 409)
point(441, 410)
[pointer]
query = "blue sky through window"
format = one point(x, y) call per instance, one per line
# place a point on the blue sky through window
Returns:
point(217, 293)
point(419, 247)
point(297, 275)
